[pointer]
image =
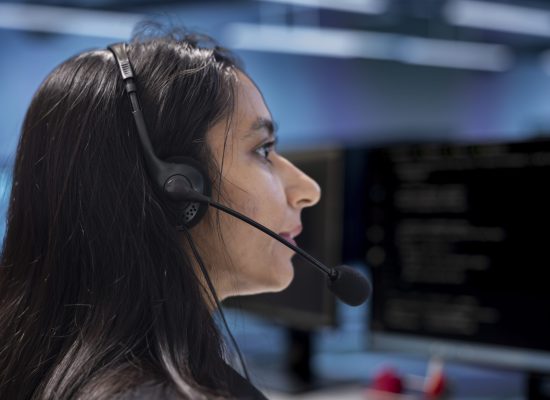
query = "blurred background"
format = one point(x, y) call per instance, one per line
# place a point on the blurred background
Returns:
point(426, 124)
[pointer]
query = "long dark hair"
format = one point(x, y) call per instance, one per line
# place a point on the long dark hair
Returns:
point(97, 294)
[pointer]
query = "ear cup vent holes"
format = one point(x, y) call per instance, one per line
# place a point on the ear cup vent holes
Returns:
point(191, 211)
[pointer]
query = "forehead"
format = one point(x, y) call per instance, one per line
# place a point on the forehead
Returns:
point(250, 103)
point(250, 108)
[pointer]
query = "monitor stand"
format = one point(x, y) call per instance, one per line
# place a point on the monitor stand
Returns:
point(295, 374)
point(538, 386)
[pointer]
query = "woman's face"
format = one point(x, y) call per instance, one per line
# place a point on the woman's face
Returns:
point(264, 186)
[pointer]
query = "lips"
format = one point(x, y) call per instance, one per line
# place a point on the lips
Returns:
point(289, 236)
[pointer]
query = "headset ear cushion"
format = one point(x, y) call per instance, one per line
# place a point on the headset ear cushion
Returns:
point(190, 213)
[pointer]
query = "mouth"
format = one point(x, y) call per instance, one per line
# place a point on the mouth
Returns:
point(289, 236)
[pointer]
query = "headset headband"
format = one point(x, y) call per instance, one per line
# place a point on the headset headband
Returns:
point(176, 179)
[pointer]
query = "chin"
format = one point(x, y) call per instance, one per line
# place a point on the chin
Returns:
point(278, 280)
point(282, 278)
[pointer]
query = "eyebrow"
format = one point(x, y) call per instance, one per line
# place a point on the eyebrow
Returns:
point(262, 124)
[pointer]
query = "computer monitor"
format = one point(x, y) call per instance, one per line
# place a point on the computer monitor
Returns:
point(457, 240)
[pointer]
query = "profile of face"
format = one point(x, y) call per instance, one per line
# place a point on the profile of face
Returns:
point(263, 185)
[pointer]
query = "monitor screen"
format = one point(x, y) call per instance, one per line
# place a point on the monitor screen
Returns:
point(456, 237)
point(307, 303)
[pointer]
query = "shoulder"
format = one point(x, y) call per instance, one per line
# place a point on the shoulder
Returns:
point(242, 388)
point(239, 388)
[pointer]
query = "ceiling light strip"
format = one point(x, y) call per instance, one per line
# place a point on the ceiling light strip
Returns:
point(64, 20)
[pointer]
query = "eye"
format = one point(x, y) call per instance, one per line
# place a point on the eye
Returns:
point(264, 150)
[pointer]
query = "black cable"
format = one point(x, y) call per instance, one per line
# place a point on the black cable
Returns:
point(218, 305)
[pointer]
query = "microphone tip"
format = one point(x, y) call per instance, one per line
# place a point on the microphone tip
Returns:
point(350, 286)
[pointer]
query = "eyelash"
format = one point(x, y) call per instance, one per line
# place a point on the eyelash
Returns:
point(269, 147)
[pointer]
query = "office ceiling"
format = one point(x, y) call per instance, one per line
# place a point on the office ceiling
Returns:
point(520, 24)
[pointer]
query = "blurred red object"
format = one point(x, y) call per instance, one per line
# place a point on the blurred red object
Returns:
point(435, 384)
point(388, 381)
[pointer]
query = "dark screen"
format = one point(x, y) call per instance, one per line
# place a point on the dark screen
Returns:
point(457, 237)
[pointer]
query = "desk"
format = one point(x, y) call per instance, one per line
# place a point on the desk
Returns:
point(467, 382)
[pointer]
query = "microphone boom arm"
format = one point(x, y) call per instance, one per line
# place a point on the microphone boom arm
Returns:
point(346, 283)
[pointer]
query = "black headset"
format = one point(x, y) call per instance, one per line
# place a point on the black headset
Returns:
point(175, 177)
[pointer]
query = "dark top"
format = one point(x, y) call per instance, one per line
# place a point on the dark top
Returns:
point(239, 388)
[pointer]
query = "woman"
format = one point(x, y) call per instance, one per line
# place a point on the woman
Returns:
point(101, 295)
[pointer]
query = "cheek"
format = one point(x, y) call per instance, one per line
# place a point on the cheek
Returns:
point(247, 241)
point(265, 205)
point(266, 200)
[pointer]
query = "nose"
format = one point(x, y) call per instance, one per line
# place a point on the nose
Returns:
point(301, 190)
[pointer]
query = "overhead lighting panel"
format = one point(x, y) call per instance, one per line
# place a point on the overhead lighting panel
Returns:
point(354, 6)
point(65, 20)
point(342, 43)
point(498, 17)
